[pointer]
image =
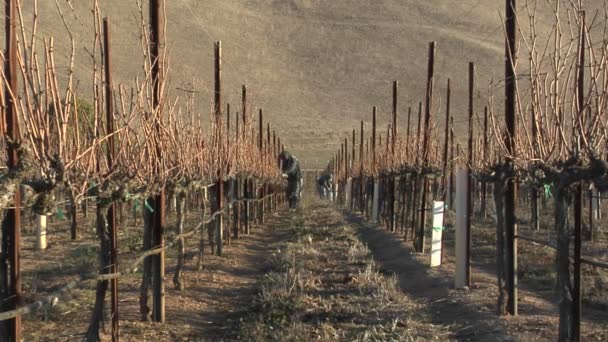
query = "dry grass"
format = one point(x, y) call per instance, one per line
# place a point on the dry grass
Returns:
point(325, 286)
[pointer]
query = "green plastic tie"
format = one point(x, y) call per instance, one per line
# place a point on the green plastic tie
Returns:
point(136, 204)
point(438, 229)
point(548, 193)
point(60, 214)
point(148, 206)
point(93, 185)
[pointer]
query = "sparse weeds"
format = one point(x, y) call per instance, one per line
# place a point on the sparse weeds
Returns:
point(82, 259)
point(325, 287)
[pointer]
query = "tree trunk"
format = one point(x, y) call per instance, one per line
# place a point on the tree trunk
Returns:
point(565, 286)
point(146, 282)
point(103, 232)
point(180, 207)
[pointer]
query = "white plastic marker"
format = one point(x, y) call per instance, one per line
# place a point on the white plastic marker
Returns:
point(334, 195)
point(595, 204)
point(438, 208)
point(375, 200)
point(41, 232)
point(461, 227)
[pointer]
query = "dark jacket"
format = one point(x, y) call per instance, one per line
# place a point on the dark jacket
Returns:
point(290, 166)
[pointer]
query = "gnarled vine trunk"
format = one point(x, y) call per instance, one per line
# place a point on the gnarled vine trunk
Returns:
point(201, 246)
point(146, 282)
point(178, 279)
point(500, 187)
point(564, 283)
point(105, 244)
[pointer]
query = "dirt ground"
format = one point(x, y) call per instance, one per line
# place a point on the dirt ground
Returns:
point(320, 273)
point(470, 313)
point(208, 310)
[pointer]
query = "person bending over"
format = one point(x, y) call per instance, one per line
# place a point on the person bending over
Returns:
point(324, 185)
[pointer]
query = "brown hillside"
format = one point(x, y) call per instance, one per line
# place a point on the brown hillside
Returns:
point(315, 66)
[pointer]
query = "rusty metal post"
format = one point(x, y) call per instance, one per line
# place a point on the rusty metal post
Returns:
point(12, 221)
point(346, 174)
point(415, 193)
point(157, 45)
point(373, 168)
point(485, 151)
point(451, 194)
point(361, 175)
point(393, 177)
point(426, 144)
point(352, 165)
point(274, 157)
point(510, 121)
point(578, 199)
point(219, 185)
point(260, 205)
point(247, 181)
point(445, 144)
point(407, 180)
point(374, 137)
point(111, 152)
point(267, 150)
point(228, 183)
point(470, 175)
point(238, 183)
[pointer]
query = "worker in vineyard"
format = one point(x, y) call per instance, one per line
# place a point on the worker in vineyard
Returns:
point(324, 184)
point(290, 168)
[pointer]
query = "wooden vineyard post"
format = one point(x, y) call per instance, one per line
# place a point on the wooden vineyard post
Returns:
point(510, 138)
point(436, 241)
point(111, 152)
point(461, 228)
point(157, 45)
point(11, 237)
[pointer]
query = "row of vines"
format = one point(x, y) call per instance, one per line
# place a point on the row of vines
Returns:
point(545, 141)
point(116, 144)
